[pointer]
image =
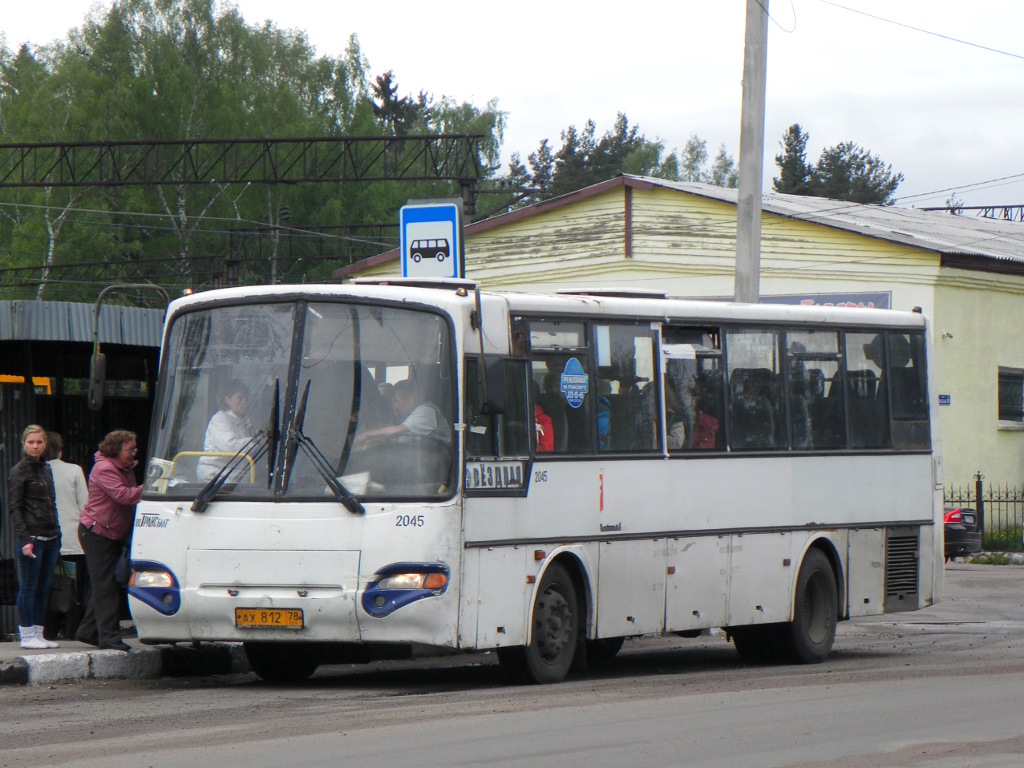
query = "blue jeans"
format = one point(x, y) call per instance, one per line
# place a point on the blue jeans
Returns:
point(35, 575)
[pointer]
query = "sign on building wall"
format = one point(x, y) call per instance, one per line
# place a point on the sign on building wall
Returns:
point(430, 238)
point(881, 300)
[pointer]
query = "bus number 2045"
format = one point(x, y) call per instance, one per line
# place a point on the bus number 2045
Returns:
point(409, 521)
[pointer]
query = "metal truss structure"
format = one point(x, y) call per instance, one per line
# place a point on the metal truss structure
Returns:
point(241, 161)
point(1003, 212)
point(245, 256)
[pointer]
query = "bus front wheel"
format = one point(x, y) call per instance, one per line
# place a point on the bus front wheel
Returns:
point(549, 656)
point(281, 662)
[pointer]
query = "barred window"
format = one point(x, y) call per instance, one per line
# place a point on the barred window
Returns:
point(1011, 394)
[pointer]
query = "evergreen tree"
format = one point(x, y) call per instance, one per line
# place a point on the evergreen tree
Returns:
point(542, 164)
point(843, 172)
point(849, 172)
point(795, 175)
point(573, 161)
point(398, 115)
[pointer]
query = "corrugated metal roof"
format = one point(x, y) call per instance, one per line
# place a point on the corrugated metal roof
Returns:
point(931, 230)
point(72, 321)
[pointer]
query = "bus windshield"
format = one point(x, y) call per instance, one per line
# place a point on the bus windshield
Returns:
point(305, 399)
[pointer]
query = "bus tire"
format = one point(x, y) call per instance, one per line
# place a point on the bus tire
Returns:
point(808, 638)
point(281, 662)
point(552, 648)
point(757, 644)
point(603, 650)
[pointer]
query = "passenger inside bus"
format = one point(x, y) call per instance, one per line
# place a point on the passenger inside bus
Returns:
point(543, 426)
point(707, 395)
point(604, 414)
point(553, 403)
point(752, 425)
point(675, 416)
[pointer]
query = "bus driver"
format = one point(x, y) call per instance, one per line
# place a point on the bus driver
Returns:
point(413, 414)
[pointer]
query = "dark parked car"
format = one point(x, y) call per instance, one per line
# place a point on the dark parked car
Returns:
point(963, 535)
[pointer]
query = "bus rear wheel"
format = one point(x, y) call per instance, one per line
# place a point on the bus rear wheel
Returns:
point(808, 638)
point(282, 662)
point(758, 644)
point(549, 656)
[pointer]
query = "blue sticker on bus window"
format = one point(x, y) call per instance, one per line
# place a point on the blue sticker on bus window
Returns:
point(574, 383)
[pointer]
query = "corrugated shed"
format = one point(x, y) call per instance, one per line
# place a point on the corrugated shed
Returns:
point(72, 321)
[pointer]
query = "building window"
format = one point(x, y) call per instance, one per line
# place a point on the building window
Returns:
point(1011, 394)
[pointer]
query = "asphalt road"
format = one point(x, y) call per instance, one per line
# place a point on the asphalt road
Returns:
point(937, 688)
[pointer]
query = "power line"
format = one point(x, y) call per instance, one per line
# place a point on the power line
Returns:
point(923, 31)
point(1002, 180)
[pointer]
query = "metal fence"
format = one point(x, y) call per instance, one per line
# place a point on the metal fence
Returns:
point(1001, 510)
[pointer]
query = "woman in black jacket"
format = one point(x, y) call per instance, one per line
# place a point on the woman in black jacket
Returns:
point(30, 498)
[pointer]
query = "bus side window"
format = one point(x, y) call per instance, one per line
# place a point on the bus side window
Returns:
point(569, 425)
point(560, 365)
point(755, 401)
point(693, 388)
point(909, 384)
point(628, 404)
point(866, 387)
point(817, 414)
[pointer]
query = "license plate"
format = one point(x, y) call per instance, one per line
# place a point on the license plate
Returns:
point(268, 618)
point(969, 520)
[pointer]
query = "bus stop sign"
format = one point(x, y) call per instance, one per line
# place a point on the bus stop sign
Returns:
point(431, 238)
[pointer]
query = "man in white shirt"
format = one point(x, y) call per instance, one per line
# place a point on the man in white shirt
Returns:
point(415, 416)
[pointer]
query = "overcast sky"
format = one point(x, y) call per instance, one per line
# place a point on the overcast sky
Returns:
point(934, 87)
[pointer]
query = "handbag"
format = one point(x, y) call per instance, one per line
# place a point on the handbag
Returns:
point(8, 581)
point(62, 589)
point(123, 568)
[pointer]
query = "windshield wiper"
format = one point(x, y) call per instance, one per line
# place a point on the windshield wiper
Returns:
point(297, 439)
point(209, 491)
point(317, 458)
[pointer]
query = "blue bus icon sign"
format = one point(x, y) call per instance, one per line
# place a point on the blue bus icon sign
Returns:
point(430, 241)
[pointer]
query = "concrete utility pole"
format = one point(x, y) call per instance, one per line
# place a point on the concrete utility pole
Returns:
point(748, 202)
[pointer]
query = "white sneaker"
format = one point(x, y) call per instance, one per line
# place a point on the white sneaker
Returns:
point(39, 635)
point(30, 640)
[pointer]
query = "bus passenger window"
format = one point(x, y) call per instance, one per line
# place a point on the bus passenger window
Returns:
point(693, 389)
point(552, 403)
point(868, 406)
point(817, 415)
point(909, 384)
point(628, 407)
point(560, 366)
point(754, 392)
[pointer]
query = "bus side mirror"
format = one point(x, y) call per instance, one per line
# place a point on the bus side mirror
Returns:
point(493, 386)
point(97, 380)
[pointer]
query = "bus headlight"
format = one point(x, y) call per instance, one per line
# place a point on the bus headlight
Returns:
point(156, 586)
point(431, 581)
point(151, 579)
point(400, 584)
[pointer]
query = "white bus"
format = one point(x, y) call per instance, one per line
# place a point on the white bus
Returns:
point(578, 469)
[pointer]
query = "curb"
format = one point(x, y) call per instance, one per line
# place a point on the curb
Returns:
point(145, 662)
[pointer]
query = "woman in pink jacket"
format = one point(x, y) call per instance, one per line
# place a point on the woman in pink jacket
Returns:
point(105, 525)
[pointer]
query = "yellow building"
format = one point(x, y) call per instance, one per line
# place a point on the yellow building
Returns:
point(633, 232)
